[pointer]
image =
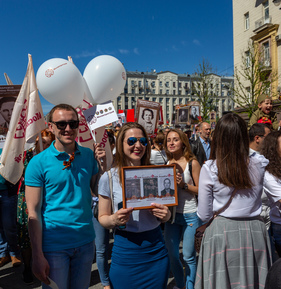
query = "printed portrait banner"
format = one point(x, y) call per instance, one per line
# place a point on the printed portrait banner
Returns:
point(8, 97)
point(27, 120)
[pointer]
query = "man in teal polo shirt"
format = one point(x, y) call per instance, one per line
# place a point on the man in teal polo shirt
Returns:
point(58, 196)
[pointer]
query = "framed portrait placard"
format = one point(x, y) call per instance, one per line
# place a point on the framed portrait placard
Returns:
point(182, 114)
point(148, 115)
point(8, 97)
point(144, 185)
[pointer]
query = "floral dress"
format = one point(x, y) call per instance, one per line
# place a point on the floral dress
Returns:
point(22, 213)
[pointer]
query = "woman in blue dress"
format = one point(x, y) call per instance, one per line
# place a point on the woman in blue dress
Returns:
point(139, 256)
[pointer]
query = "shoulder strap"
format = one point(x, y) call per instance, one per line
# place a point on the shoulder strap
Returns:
point(190, 171)
point(165, 161)
point(111, 188)
point(227, 204)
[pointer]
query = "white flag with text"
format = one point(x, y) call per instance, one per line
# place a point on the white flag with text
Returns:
point(27, 120)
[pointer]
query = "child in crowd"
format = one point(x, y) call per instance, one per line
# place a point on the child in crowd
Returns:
point(265, 113)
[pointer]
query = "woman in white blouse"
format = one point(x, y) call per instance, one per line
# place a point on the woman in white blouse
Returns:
point(235, 250)
point(272, 183)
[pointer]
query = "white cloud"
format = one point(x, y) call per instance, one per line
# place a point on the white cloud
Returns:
point(84, 54)
point(136, 51)
point(124, 51)
point(196, 42)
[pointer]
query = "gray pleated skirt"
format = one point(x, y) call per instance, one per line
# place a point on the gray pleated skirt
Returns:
point(235, 253)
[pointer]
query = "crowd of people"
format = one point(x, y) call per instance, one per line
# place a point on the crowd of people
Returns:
point(234, 170)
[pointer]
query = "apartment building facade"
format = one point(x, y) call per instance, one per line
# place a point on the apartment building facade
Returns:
point(257, 22)
point(171, 89)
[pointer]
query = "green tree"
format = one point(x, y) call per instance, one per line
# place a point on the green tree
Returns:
point(204, 86)
point(253, 77)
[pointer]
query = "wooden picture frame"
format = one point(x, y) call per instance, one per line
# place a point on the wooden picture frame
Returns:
point(143, 185)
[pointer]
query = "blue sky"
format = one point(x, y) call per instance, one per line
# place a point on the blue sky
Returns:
point(143, 35)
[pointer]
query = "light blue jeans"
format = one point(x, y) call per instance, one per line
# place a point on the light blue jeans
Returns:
point(71, 268)
point(8, 225)
point(184, 228)
point(102, 248)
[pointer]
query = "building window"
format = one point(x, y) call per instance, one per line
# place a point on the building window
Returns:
point(211, 85)
point(167, 91)
point(174, 84)
point(174, 92)
point(222, 93)
point(167, 84)
point(266, 12)
point(160, 91)
point(247, 21)
point(179, 84)
point(132, 82)
point(266, 53)
point(139, 83)
point(180, 91)
point(153, 83)
point(160, 83)
point(247, 59)
point(133, 91)
point(153, 91)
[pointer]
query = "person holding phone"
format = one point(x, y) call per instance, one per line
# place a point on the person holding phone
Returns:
point(139, 256)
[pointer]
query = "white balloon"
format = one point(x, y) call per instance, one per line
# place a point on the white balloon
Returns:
point(106, 78)
point(60, 81)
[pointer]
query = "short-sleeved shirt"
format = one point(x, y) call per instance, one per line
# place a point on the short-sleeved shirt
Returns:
point(66, 208)
point(140, 220)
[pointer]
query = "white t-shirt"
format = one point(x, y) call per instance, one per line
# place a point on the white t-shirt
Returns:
point(140, 220)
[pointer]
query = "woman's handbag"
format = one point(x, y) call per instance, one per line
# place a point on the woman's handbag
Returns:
point(201, 230)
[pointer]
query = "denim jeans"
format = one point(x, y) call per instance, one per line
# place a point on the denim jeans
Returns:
point(184, 227)
point(8, 225)
point(102, 248)
point(71, 268)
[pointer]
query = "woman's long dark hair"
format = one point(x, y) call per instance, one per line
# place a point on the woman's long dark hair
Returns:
point(120, 159)
point(230, 148)
point(270, 149)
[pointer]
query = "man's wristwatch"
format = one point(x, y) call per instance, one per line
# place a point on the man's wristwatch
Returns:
point(185, 186)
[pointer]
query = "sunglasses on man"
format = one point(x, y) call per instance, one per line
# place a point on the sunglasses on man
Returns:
point(61, 125)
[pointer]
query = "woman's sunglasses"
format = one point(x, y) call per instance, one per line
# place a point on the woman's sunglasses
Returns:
point(73, 124)
point(132, 140)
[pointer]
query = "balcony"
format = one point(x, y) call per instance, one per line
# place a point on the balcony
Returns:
point(263, 23)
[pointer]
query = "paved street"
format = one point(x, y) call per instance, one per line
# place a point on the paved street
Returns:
point(11, 278)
